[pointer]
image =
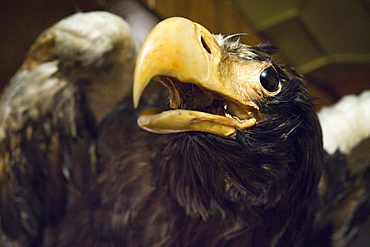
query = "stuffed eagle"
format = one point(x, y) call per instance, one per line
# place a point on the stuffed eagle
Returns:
point(231, 156)
point(219, 146)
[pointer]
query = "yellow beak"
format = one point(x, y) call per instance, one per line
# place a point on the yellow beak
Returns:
point(187, 51)
point(179, 48)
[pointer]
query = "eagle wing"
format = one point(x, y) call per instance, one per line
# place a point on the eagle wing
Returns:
point(73, 75)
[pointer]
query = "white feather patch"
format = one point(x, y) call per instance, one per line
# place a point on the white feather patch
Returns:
point(346, 123)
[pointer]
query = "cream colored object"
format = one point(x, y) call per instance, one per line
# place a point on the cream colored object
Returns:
point(346, 123)
point(95, 47)
point(183, 120)
point(174, 48)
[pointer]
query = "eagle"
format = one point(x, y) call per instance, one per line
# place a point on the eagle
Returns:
point(73, 75)
point(230, 154)
point(218, 144)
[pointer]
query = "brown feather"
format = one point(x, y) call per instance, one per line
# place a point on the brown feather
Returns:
point(48, 116)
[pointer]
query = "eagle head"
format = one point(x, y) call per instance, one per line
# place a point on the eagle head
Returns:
point(243, 124)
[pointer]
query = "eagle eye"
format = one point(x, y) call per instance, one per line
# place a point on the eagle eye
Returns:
point(269, 79)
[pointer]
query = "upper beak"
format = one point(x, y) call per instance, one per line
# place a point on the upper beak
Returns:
point(178, 48)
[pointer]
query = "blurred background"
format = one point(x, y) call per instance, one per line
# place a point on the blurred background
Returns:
point(329, 41)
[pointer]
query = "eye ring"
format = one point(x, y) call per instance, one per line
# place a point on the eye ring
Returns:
point(269, 79)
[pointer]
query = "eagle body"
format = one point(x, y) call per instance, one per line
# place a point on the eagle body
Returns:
point(254, 187)
point(38, 142)
point(48, 115)
point(154, 196)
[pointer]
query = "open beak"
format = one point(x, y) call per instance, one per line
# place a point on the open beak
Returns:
point(185, 57)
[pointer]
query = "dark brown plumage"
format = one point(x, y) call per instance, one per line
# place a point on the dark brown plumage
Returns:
point(75, 72)
point(256, 187)
point(231, 154)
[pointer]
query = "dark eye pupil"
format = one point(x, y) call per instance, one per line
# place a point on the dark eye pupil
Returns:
point(269, 79)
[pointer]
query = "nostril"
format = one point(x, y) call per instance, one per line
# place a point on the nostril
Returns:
point(205, 45)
